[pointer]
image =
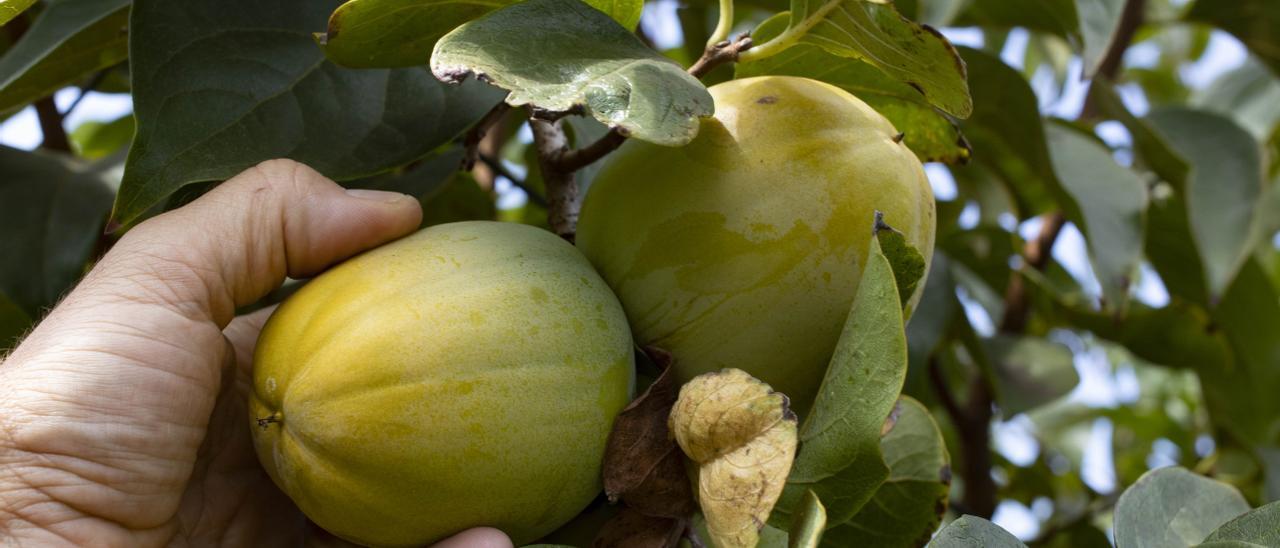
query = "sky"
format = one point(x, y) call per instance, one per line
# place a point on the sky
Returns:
point(1100, 384)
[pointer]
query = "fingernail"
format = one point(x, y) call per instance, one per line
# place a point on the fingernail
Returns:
point(378, 195)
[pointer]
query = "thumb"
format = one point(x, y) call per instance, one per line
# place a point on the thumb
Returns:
point(120, 379)
point(239, 241)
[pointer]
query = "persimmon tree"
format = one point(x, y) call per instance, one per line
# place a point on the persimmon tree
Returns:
point(1060, 117)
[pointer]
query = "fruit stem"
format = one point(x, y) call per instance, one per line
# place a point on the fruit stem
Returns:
point(266, 421)
point(719, 53)
point(724, 26)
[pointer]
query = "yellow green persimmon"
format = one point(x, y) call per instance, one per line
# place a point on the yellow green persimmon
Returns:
point(466, 375)
point(744, 249)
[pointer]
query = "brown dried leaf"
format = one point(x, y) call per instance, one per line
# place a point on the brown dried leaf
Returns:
point(633, 529)
point(642, 465)
point(743, 436)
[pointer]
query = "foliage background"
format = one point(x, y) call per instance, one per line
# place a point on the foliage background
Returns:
point(1091, 392)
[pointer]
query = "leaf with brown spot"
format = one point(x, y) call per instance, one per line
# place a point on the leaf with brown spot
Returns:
point(642, 465)
point(743, 436)
point(633, 529)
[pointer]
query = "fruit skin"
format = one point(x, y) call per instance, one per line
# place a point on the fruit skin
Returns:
point(744, 248)
point(465, 375)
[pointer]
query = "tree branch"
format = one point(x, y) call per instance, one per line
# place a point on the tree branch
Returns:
point(471, 141)
point(91, 85)
point(720, 53)
point(974, 422)
point(562, 191)
point(573, 160)
point(502, 171)
point(55, 136)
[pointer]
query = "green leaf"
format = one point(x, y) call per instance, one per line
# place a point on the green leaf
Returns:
point(205, 112)
point(1177, 335)
point(401, 33)
point(1107, 202)
point(1249, 95)
point(50, 221)
point(461, 199)
point(1030, 372)
point(94, 140)
point(69, 39)
point(905, 260)
point(445, 193)
point(808, 523)
point(1174, 507)
point(839, 456)
point(930, 134)
point(1221, 192)
point(908, 506)
point(932, 317)
point(13, 322)
point(875, 33)
point(1254, 22)
point(13, 8)
point(625, 12)
point(974, 532)
point(1258, 526)
point(1153, 149)
point(1057, 17)
point(1099, 20)
point(1240, 394)
point(558, 54)
point(1007, 133)
point(395, 33)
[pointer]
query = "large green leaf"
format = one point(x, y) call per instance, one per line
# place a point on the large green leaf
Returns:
point(930, 134)
point(1057, 17)
point(1241, 394)
point(1154, 151)
point(1249, 95)
point(50, 221)
point(1222, 191)
point(839, 456)
point(558, 54)
point(446, 194)
point(1030, 372)
point(877, 34)
point(1254, 22)
point(1260, 526)
point(13, 8)
point(69, 39)
point(401, 33)
point(1178, 335)
point(13, 321)
point(219, 86)
point(1172, 507)
point(1006, 131)
point(1168, 234)
point(974, 532)
point(908, 506)
point(1107, 202)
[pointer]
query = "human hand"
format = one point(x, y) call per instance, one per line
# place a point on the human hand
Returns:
point(123, 415)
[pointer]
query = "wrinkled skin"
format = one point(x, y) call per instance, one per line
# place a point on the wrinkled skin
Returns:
point(465, 375)
point(122, 415)
point(744, 249)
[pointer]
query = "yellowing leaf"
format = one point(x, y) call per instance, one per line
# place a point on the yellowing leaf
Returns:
point(742, 435)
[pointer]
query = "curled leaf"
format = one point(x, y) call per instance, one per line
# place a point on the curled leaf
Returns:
point(742, 435)
point(633, 529)
point(642, 466)
point(808, 523)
